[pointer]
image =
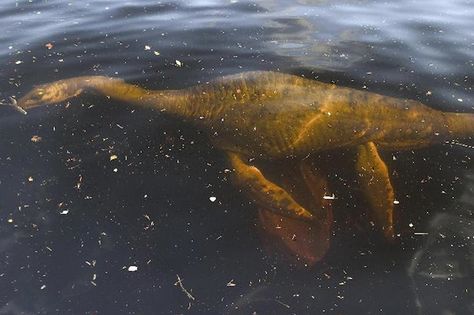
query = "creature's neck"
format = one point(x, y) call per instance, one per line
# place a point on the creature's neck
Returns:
point(170, 101)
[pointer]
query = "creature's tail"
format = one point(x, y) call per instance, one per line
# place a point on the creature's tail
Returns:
point(460, 126)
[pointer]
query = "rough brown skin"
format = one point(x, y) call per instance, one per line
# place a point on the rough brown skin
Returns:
point(270, 116)
point(273, 115)
point(307, 182)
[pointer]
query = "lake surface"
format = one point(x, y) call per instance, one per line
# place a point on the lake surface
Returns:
point(76, 222)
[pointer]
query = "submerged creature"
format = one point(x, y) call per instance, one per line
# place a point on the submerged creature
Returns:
point(262, 118)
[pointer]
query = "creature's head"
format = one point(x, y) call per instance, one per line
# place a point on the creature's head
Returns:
point(48, 94)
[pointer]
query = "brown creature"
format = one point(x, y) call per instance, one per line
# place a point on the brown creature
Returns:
point(259, 118)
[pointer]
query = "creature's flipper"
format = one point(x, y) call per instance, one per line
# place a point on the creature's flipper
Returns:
point(308, 241)
point(376, 186)
point(264, 192)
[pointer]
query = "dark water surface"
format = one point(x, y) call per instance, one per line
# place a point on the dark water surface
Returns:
point(73, 221)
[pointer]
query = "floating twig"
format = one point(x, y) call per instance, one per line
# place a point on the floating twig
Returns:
point(453, 142)
point(180, 283)
point(281, 303)
point(13, 103)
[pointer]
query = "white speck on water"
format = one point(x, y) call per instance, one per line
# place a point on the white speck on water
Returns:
point(420, 233)
point(43, 287)
point(36, 138)
point(179, 63)
point(332, 197)
point(115, 170)
point(212, 198)
point(18, 62)
point(396, 202)
point(113, 157)
point(132, 268)
point(30, 179)
point(10, 220)
point(410, 225)
point(64, 212)
point(460, 100)
point(147, 47)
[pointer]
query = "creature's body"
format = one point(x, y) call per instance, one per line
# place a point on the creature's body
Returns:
point(270, 116)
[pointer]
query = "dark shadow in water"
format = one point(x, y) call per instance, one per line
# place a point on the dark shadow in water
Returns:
point(442, 271)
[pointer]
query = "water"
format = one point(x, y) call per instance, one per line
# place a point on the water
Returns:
point(151, 206)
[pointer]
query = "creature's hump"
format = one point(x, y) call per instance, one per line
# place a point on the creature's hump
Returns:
point(262, 78)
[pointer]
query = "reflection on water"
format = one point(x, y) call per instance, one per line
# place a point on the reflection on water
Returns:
point(72, 221)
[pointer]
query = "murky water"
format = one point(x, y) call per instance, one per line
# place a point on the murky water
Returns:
point(73, 220)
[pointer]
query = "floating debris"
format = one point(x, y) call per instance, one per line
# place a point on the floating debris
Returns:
point(132, 268)
point(113, 157)
point(49, 46)
point(283, 304)
point(332, 197)
point(420, 233)
point(13, 103)
point(212, 198)
point(36, 138)
point(147, 47)
point(178, 63)
point(180, 283)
